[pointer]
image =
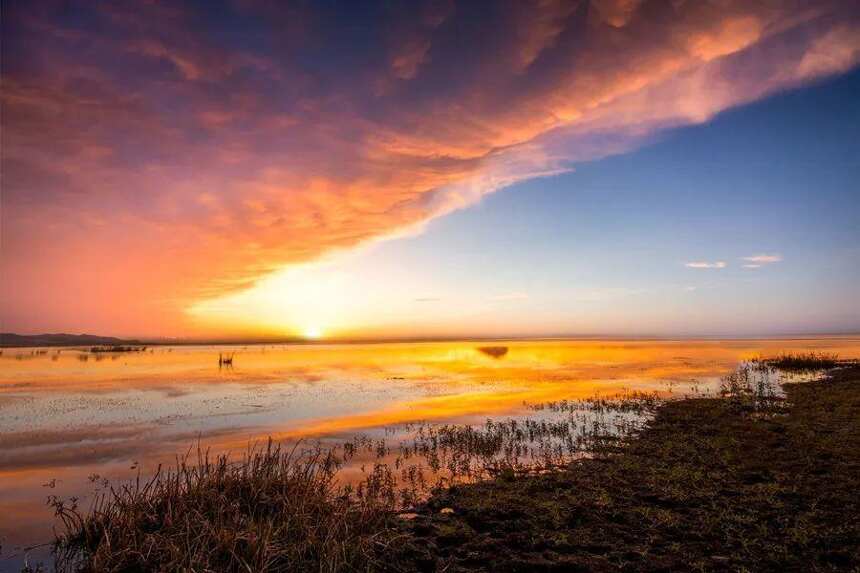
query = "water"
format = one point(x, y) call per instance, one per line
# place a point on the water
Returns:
point(67, 415)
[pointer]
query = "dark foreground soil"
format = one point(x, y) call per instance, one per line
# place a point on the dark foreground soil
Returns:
point(709, 485)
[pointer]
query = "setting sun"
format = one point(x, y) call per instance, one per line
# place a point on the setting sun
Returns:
point(313, 332)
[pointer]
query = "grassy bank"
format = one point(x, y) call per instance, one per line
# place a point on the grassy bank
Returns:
point(752, 480)
point(737, 484)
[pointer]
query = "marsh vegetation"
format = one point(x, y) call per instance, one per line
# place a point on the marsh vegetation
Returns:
point(290, 509)
point(802, 361)
point(116, 348)
point(611, 482)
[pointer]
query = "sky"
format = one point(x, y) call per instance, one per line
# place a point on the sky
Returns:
point(346, 170)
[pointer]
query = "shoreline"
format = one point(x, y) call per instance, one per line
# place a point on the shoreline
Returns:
point(85, 340)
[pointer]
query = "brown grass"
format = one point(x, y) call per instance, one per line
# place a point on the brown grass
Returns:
point(117, 348)
point(802, 361)
point(274, 510)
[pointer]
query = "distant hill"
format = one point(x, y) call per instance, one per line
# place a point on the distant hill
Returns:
point(8, 339)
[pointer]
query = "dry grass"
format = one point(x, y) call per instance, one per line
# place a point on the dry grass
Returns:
point(275, 510)
point(802, 361)
point(116, 348)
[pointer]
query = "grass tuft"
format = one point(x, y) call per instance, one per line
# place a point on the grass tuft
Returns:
point(274, 510)
point(802, 362)
point(116, 348)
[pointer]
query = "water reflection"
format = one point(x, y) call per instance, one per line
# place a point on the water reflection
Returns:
point(70, 413)
point(494, 351)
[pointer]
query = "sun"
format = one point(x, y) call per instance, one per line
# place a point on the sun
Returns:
point(313, 332)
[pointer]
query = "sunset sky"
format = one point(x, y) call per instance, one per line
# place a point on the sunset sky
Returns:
point(374, 170)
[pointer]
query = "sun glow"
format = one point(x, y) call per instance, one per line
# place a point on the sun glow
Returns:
point(329, 299)
point(313, 332)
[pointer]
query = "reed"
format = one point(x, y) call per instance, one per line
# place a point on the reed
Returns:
point(116, 348)
point(802, 361)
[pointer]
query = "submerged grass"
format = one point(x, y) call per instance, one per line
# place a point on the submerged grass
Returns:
point(751, 388)
point(116, 348)
point(801, 361)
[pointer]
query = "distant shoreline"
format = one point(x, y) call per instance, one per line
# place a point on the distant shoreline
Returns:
point(12, 340)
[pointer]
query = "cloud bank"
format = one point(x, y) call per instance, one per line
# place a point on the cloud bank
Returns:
point(156, 154)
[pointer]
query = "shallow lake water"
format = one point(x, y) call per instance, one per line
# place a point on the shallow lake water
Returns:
point(67, 414)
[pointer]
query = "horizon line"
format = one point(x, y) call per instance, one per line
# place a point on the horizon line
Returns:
point(263, 340)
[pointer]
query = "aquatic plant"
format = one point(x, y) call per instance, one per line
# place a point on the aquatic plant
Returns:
point(225, 359)
point(116, 348)
point(801, 362)
point(751, 387)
